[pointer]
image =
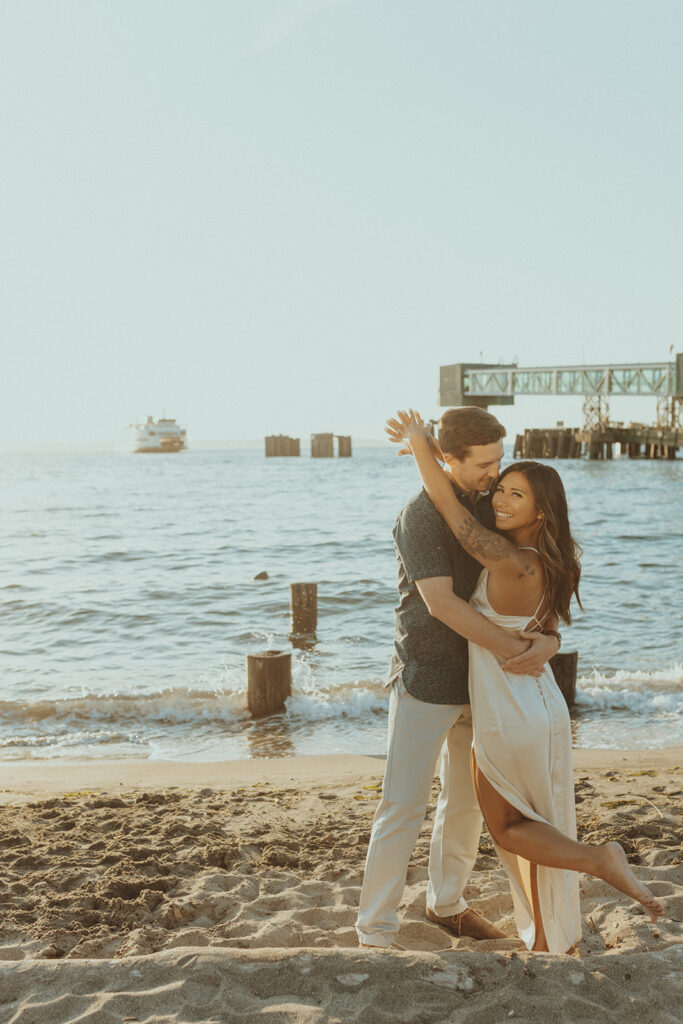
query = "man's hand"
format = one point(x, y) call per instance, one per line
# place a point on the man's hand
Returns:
point(531, 661)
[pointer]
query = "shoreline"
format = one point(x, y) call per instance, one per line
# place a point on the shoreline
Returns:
point(24, 781)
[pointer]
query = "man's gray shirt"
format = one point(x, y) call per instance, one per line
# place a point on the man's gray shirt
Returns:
point(429, 657)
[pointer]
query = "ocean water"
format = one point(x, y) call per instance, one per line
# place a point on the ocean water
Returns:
point(129, 601)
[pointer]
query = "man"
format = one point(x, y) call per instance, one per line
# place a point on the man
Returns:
point(429, 706)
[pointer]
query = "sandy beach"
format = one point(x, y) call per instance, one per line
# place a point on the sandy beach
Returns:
point(227, 891)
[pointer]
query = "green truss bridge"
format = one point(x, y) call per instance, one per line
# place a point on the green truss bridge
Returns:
point(486, 384)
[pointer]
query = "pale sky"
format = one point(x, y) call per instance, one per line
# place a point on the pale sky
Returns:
point(271, 216)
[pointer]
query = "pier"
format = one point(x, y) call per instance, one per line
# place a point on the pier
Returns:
point(635, 441)
point(484, 384)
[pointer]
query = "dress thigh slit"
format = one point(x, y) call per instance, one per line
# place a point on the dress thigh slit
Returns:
point(525, 870)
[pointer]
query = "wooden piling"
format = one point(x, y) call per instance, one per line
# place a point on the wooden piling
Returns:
point(303, 603)
point(563, 665)
point(269, 682)
point(344, 447)
point(280, 444)
point(564, 444)
point(322, 446)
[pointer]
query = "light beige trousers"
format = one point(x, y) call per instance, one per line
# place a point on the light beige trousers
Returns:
point(418, 733)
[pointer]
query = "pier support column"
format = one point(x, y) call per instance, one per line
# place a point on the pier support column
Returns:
point(322, 446)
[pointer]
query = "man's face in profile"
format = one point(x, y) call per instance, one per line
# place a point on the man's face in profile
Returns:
point(480, 467)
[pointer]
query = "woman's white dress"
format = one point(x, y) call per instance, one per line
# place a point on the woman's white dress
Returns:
point(522, 744)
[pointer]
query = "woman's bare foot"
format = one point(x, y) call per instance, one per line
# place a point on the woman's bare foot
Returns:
point(615, 869)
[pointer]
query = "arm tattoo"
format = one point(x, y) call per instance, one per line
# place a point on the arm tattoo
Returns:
point(482, 543)
point(487, 546)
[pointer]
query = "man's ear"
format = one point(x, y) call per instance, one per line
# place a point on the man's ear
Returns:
point(436, 449)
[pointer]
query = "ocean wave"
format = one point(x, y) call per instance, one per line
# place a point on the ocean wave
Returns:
point(171, 707)
point(657, 692)
point(213, 709)
point(350, 702)
point(217, 706)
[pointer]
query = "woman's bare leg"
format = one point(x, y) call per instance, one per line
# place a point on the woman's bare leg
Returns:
point(542, 844)
point(540, 942)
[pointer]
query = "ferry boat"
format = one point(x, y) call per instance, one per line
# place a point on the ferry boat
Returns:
point(161, 436)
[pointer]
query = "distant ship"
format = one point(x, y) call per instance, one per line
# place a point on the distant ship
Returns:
point(160, 436)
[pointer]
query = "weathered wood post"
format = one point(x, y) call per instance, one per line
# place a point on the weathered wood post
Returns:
point(595, 450)
point(322, 446)
point(344, 447)
point(269, 682)
point(303, 601)
point(563, 665)
point(282, 445)
point(569, 444)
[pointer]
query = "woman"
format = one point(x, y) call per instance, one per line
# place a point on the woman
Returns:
point(521, 754)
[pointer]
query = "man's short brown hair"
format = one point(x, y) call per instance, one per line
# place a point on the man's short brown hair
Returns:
point(465, 426)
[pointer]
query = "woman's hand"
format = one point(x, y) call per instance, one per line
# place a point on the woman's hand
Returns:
point(406, 428)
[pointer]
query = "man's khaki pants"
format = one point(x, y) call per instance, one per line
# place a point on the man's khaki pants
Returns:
point(418, 733)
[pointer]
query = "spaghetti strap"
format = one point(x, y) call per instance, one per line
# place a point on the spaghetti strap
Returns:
point(539, 622)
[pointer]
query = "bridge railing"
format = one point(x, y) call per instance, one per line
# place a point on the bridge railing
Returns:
point(645, 379)
point(461, 382)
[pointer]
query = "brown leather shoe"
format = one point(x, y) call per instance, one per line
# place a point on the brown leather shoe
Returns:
point(469, 923)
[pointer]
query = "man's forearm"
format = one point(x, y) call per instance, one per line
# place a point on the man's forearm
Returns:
point(461, 617)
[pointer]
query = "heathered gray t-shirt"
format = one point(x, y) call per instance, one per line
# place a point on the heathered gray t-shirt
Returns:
point(429, 657)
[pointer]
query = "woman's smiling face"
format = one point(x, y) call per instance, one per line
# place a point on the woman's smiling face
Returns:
point(513, 502)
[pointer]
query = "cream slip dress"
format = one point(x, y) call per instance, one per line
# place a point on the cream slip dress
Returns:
point(522, 744)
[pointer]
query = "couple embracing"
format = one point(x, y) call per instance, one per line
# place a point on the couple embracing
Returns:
point(487, 569)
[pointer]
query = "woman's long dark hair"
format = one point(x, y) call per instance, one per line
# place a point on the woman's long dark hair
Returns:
point(559, 551)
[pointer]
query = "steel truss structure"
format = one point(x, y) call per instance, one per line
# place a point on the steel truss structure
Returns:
point(628, 379)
